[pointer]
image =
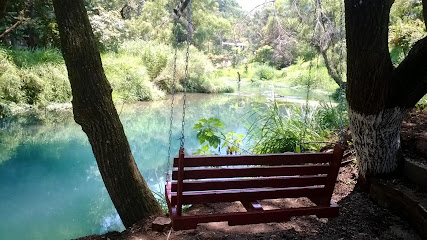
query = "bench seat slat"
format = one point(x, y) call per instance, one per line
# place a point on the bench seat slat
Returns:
point(252, 194)
point(253, 172)
point(261, 182)
point(262, 159)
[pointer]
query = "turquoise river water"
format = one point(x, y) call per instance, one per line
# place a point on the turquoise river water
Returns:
point(50, 186)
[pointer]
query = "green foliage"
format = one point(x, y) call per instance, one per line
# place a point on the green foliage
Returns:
point(129, 78)
point(29, 58)
point(201, 74)
point(109, 28)
point(330, 117)
point(406, 27)
point(264, 54)
point(210, 137)
point(291, 129)
point(153, 23)
point(422, 104)
point(208, 131)
point(155, 58)
point(24, 81)
point(263, 73)
point(299, 74)
point(4, 111)
point(38, 29)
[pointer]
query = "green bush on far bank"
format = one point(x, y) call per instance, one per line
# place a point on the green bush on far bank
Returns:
point(138, 71)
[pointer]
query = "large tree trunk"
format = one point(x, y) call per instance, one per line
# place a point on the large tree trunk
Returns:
point(94, 110)
point(379, 95)
point(3, 4)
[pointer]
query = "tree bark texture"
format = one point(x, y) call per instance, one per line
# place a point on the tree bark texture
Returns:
point(94, 110)
point(3, 4)
point(379, 95)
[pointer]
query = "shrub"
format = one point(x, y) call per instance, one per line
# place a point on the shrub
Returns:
point(264, 54)
point(24, 58)
point(129, 78)
point(316, 75)
point(109, 28)
point(263, 73)
point(285, 129)
point(56, 87)
point(329, 117)
point(32, 87)
point(10, 82)
point(155, 58)
point(4, 111)
point(201, 74)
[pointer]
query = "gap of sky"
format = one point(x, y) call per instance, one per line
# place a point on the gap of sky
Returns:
point(248, 5)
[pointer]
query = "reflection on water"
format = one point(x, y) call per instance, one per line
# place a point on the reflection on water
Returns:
point(50, 186)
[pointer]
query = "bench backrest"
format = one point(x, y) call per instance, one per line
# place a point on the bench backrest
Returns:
point(209, 179)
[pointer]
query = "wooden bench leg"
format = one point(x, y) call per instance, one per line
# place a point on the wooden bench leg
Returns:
point(252, 206)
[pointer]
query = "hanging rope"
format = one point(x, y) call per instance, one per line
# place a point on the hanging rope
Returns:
point(341, 73)
point(184, 105)
point(307, 97)
point(168, 176)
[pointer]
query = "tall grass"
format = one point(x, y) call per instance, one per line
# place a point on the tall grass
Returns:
point(283, 128)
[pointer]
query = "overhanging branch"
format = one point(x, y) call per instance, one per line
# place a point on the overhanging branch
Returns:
point(20, 18)
point(410, 77)
point(181, 7)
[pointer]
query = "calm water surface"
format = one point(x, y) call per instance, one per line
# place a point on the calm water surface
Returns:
point(50, 186)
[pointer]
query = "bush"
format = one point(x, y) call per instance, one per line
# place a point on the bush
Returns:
point(109, 28)
point(264, 55)
point(299, 74)
point(201, 74)
point(288, 129)
point(23, 58)
point(155, 58)
point(56, 87)
point(129, 78)
point(263, 73)
point(10, 81)
point(4, 111)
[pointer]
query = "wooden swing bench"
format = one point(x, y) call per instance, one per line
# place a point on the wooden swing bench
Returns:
point(213, 179)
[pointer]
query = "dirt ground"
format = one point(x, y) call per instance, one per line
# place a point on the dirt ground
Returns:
point(359, 217)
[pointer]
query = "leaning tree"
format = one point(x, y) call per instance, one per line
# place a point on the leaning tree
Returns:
point(94, 110)
point(379, 95)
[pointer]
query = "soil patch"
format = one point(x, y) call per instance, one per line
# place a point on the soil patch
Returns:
point(414, 137)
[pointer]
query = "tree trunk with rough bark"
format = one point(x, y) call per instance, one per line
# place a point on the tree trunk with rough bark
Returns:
point(94, 110)
point(379, 95)
point(3, 4)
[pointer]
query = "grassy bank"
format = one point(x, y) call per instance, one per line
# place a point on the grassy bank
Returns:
point(137, 71)
point(296, 75)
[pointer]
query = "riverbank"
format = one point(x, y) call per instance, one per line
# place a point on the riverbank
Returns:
point(360, 217)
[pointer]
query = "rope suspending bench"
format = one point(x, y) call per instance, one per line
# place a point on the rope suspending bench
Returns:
point(212, 179)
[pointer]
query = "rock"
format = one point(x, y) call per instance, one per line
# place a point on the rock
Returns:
point(161, 224)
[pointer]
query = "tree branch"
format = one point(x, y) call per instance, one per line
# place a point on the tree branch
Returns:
point(410, 77)
point(20, 18)
point(425, 12)
point(14, 26)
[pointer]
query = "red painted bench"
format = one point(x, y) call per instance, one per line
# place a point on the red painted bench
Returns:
point(212, 179)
